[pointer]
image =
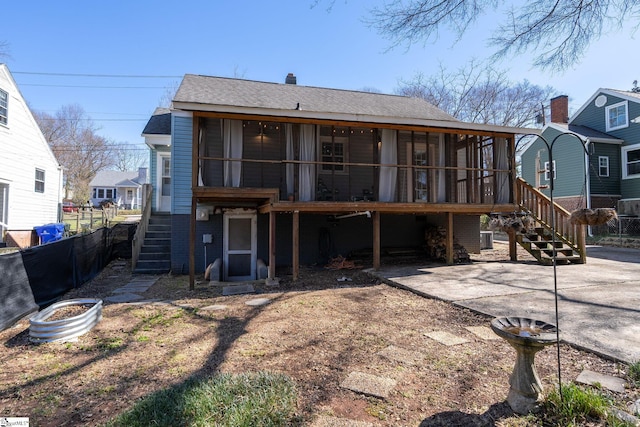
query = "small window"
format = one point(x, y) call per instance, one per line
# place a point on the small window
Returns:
point(333, 150)
point(100, 193)
point(39, 188)
point(603, 165)
point(109, 193)
point(4, 107)
point(616, 116)
point(631, 161)
point(547, 172)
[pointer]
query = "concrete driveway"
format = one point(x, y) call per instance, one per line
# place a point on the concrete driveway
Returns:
point(598, 302)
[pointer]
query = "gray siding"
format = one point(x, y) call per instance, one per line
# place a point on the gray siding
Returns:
point(569, 157)
point(181, 135)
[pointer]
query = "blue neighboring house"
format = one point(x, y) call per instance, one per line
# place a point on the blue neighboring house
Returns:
point(608, 173)
point(124, 188)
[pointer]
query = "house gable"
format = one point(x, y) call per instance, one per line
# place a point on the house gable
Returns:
point(30, 175)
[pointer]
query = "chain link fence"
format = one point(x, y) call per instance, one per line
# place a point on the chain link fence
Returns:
point(623, 226)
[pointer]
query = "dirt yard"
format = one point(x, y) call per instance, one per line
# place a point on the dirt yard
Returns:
point(317, 330)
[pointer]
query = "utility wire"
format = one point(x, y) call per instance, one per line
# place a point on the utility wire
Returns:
point(96, 75)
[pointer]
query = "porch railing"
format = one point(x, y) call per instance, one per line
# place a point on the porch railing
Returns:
point(141, 231)
point(539, 206)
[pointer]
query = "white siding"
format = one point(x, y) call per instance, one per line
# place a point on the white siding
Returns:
point(23, 149)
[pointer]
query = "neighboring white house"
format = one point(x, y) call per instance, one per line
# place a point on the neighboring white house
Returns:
point(30, 175)
point(122, 188)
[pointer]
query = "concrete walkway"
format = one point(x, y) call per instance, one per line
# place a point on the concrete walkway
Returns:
point(598, 302)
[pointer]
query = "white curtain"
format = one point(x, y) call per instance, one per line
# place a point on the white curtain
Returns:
point(442, 161)
point(201, 153)
point(232, 140)
point(290, 156)
point(307, 174)
point(502, 162)
point(388, 174)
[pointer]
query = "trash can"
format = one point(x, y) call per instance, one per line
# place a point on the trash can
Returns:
point(50, 232)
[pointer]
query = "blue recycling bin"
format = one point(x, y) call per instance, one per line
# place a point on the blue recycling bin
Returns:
point(50, 232)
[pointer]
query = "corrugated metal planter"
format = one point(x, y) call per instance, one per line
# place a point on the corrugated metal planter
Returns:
point(41, 330)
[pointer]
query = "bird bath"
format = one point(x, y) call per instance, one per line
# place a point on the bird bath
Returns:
point(527, 337)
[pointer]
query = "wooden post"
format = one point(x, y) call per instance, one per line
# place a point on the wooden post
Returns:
point(513, 246)
point(376, 240)
point(272, 245)
point(192, 245)
point(296, 245)
point(582, 244)
point(449, 248)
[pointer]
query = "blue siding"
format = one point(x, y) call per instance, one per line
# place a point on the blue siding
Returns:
point(181, 146)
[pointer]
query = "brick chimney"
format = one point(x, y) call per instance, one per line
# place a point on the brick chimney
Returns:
point(291, 79)
point(560, 109)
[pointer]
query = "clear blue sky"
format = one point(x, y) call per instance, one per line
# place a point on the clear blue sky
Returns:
point(258, 40)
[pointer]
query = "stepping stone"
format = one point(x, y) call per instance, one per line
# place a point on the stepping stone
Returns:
point(327, 421)
point(446, 338)
point(483, 332)
point(237, 290)
point(258, 302)
point(126, 297)
point(606, 381)
point(368, 384)
point(215, 307)
point(131, 289)
point(402, 355)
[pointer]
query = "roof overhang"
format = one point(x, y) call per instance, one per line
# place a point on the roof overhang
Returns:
point(363, 119)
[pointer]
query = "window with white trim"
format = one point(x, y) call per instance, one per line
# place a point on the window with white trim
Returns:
point(616, 116)
point(547, 171)
point(39, 187)
point(603, 165)
point(631, 161)
point(4, 107)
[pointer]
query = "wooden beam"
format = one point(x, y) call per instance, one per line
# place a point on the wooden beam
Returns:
point(376, 240)
point(449, 247)
point(272, 245)
point(513, 246)
point(295, 257)
point(330, 208)
point(192, 245)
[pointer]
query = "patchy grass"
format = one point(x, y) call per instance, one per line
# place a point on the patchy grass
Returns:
point(261, 399)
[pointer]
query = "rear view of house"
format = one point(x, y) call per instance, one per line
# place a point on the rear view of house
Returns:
point(30, 175)
point(295, 174)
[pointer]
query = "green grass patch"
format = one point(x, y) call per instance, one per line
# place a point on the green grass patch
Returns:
point(578, 406)
point(634, 373)
point(260, 399)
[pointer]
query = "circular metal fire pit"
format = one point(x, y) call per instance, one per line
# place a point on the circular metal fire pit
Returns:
point(527, 337)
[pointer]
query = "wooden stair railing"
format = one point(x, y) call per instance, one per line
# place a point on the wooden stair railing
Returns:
point(538, 205)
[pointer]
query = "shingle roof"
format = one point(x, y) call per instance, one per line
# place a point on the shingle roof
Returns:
point(159, 123)
point(205, 90)
point(627, 93)
point(585, 131)
point(116, 179)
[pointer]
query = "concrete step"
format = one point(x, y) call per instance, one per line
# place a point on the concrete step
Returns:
point(155, 249)
point(155, 256)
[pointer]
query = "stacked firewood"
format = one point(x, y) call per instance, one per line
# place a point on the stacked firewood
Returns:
point(436, 242)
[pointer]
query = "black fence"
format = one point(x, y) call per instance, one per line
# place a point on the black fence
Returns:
point(39, 276)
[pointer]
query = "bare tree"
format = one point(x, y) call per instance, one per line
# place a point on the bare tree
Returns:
point(556, 32)
point(128, 157)
point(480, 94)
point(73, 139)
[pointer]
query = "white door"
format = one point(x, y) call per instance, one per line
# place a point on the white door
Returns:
point(239, 246)
point(164, 183)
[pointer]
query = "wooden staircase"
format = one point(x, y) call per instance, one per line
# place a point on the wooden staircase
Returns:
point(570, 244)
point(539, 243)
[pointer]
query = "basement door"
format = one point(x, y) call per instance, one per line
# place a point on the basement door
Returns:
point(239, 246)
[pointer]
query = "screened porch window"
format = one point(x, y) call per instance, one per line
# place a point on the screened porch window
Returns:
point(333, 150)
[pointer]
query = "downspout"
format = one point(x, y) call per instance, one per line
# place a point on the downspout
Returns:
point(587, 181)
